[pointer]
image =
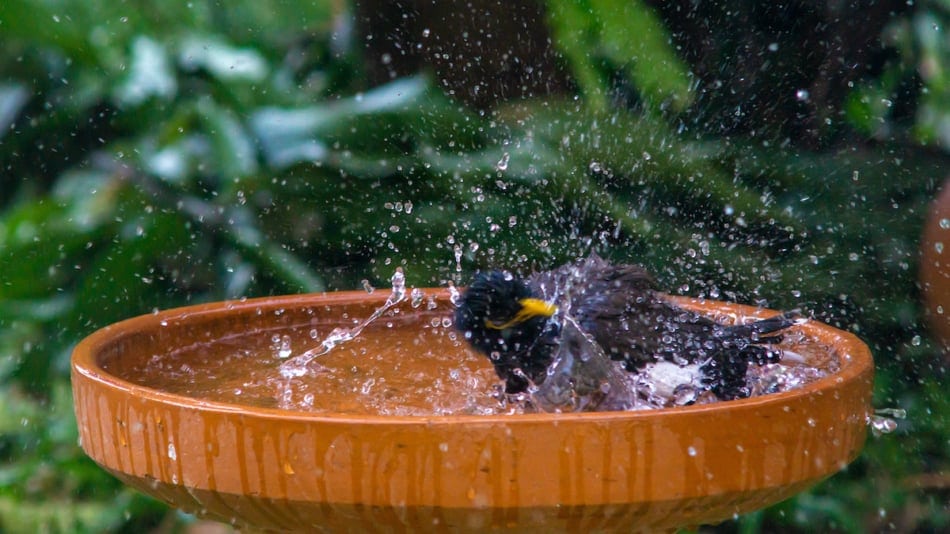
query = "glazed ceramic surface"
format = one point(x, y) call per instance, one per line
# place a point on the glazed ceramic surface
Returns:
point(935, 267)
point(292, 470)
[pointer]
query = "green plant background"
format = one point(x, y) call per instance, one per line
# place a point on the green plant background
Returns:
point(156, 155)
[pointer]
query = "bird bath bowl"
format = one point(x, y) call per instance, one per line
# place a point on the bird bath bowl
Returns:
point(275, 469)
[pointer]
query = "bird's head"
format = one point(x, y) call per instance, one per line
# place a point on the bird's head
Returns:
point(498, 315)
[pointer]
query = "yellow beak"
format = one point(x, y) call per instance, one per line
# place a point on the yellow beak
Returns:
point(529, 308)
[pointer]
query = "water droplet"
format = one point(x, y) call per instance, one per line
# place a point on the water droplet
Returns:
point(284, 350)
point(938, 246)
point(802, 95)
point(367, 386)
point(896, 413)
point(426, 32)
point(773, 47)
point(172, 454)
point(881, 425)
point(945, 223)
point(691, 451)
point(416, 296)
point(398, 281)
point(367, 286)
point(502, 164)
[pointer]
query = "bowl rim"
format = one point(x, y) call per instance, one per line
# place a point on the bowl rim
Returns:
point(855, 365)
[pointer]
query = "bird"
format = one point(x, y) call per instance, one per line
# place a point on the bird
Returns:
point(582, 336)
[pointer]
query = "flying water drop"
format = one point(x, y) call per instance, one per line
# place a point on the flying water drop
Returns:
point(884, 420)
point(502, 164)
point(416, 296)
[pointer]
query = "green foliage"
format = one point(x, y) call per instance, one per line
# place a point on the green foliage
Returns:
point(160, 155)
point(922, 58)
point(600, 36)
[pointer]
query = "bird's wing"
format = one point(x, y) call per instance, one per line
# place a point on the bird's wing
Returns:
point(619, 306)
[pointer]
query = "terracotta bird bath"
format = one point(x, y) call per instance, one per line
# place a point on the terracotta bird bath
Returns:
point(339, 467)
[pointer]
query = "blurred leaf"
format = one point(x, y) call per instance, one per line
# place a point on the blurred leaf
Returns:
point(39, 310)
point(150, 74)
point(375, 118)
point(222, 60)
point(634, 37)
point(574, 28)
point(36, 238)
point(58, 516)
point(120, 281)
point(286, 266)
point(12, 99)
point(43, 24)
point(865, 109)
point(628, 35)
point(231, 146)
point(17, 412)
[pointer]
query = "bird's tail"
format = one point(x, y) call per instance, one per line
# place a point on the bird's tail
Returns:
point(753, 332)
point(745, 344)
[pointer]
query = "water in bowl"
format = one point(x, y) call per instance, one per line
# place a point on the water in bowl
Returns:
point(408, 361)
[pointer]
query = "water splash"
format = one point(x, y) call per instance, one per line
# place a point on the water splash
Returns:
point(884, 420)
point(581, 377)
point(300, 365)
point(454, 294)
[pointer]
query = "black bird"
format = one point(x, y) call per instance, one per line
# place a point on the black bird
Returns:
point(567, 333)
